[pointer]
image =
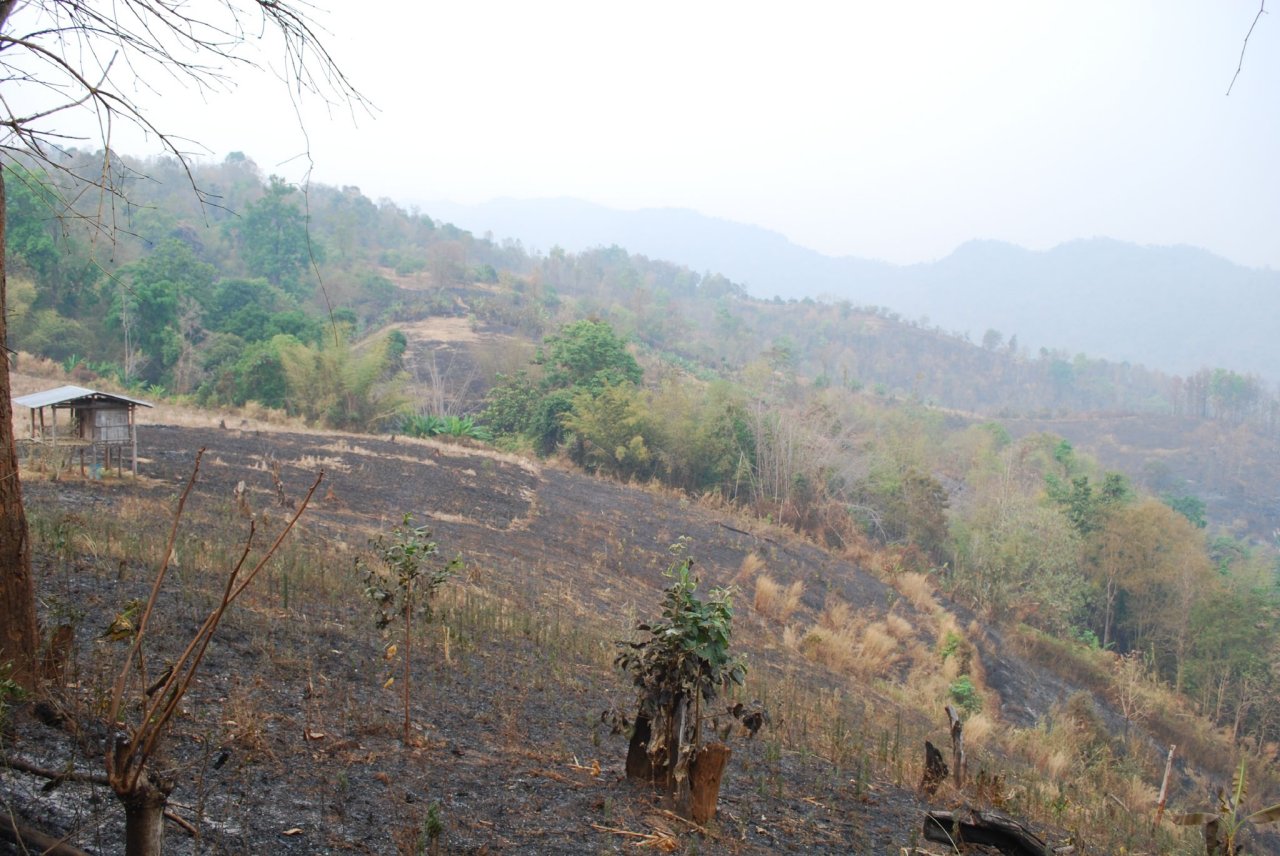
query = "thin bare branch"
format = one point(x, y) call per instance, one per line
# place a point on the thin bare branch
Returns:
point(99, 55)
point(54, 775)
point(1262, 7)
point(117, 692)
point(188, 664)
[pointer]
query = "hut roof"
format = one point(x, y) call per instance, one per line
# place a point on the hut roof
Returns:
point(70, 394)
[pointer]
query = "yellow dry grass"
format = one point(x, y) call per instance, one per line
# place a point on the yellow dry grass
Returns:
point(900, 628)
point(836, 614)
point(839, 641)
point(776, 601)
point(978, 730)
point(751, 565)
point(878, 648)
point(918, 590)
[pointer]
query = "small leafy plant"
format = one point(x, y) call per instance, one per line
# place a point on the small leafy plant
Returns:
point(965, 694)
point(1223, 827)
point(427, 425)
point(681, 664)
point(404, 586)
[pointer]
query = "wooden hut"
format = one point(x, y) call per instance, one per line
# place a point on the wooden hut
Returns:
point(84, 420)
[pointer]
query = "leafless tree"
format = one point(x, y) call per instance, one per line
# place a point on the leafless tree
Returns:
point(447, 388)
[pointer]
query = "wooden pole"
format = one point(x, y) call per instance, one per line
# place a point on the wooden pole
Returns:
point(133, 437)
point(958, 770)
point(1164, 785)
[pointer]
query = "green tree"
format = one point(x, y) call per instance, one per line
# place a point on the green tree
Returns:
point(512, 402)
point(610, 428)
point(1086, 508)
point(1190, 507)
point(339, 386)
point(403, 588)
point(39, 244)
point(149, 307)
point(587, 355)
point(1014, 557)
point(681, 663)
point(703, 440)
point(273, 240)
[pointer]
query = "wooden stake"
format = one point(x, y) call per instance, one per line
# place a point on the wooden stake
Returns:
point(1164, 785)
point(958, 763)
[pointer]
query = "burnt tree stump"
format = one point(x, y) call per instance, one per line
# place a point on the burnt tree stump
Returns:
point(705, 774)
point(935, 769)
point(639, 765)
point(983, 827)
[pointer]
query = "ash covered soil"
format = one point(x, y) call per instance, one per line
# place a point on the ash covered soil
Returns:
point(289, 742)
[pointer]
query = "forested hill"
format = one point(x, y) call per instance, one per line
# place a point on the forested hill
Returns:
point(214, 300)
point(892, 443)
point(1174, 308)
point(301, 302)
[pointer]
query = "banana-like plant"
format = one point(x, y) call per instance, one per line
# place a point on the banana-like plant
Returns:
point(1223, 826)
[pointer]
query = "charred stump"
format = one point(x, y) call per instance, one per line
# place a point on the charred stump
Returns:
point(983, 827)
point(705, 775)
point(639, 764)
point(144, 816)
point(935, 769)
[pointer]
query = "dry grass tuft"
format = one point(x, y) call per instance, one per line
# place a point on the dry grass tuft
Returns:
point(835, 649)
point(978, 730)
point(751, 565)
point(1137, 795)
point(899, 627)
point(917, 589)
point(311, 463)
point(775, 601)
point(836, 615)
point(1056, 764)
point(878, 648)
point(840, 642)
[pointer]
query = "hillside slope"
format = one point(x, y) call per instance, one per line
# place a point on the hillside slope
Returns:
point(508, 701)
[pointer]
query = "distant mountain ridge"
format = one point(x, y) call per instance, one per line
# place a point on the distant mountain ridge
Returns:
point(1174, 308)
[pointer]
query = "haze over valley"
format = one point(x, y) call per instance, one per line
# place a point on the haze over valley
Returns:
point(1174, 308)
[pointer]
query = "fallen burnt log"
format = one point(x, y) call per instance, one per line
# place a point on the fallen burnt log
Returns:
point(971, 826)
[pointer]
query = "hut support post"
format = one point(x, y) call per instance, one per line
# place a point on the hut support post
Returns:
point(133, 438)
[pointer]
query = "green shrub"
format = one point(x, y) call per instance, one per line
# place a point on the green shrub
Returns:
point(965, 695)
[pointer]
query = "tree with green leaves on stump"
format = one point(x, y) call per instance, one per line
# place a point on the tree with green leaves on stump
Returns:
point(679, 665)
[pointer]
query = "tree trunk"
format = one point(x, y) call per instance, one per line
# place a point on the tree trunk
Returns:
point(705, 774)
point(639, 767)
point(971, 826)
point(19, 642)
point(1106, 622)
point(144, 820)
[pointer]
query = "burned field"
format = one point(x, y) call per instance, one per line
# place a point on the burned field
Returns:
point(289, 739)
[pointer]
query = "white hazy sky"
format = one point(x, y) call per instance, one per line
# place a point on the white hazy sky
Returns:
point(888, 130)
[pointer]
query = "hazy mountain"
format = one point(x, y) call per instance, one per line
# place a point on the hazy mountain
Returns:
point(1175, 308)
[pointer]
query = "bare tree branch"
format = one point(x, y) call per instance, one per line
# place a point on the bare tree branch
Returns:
point(101, 55)
point(1262, 7)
